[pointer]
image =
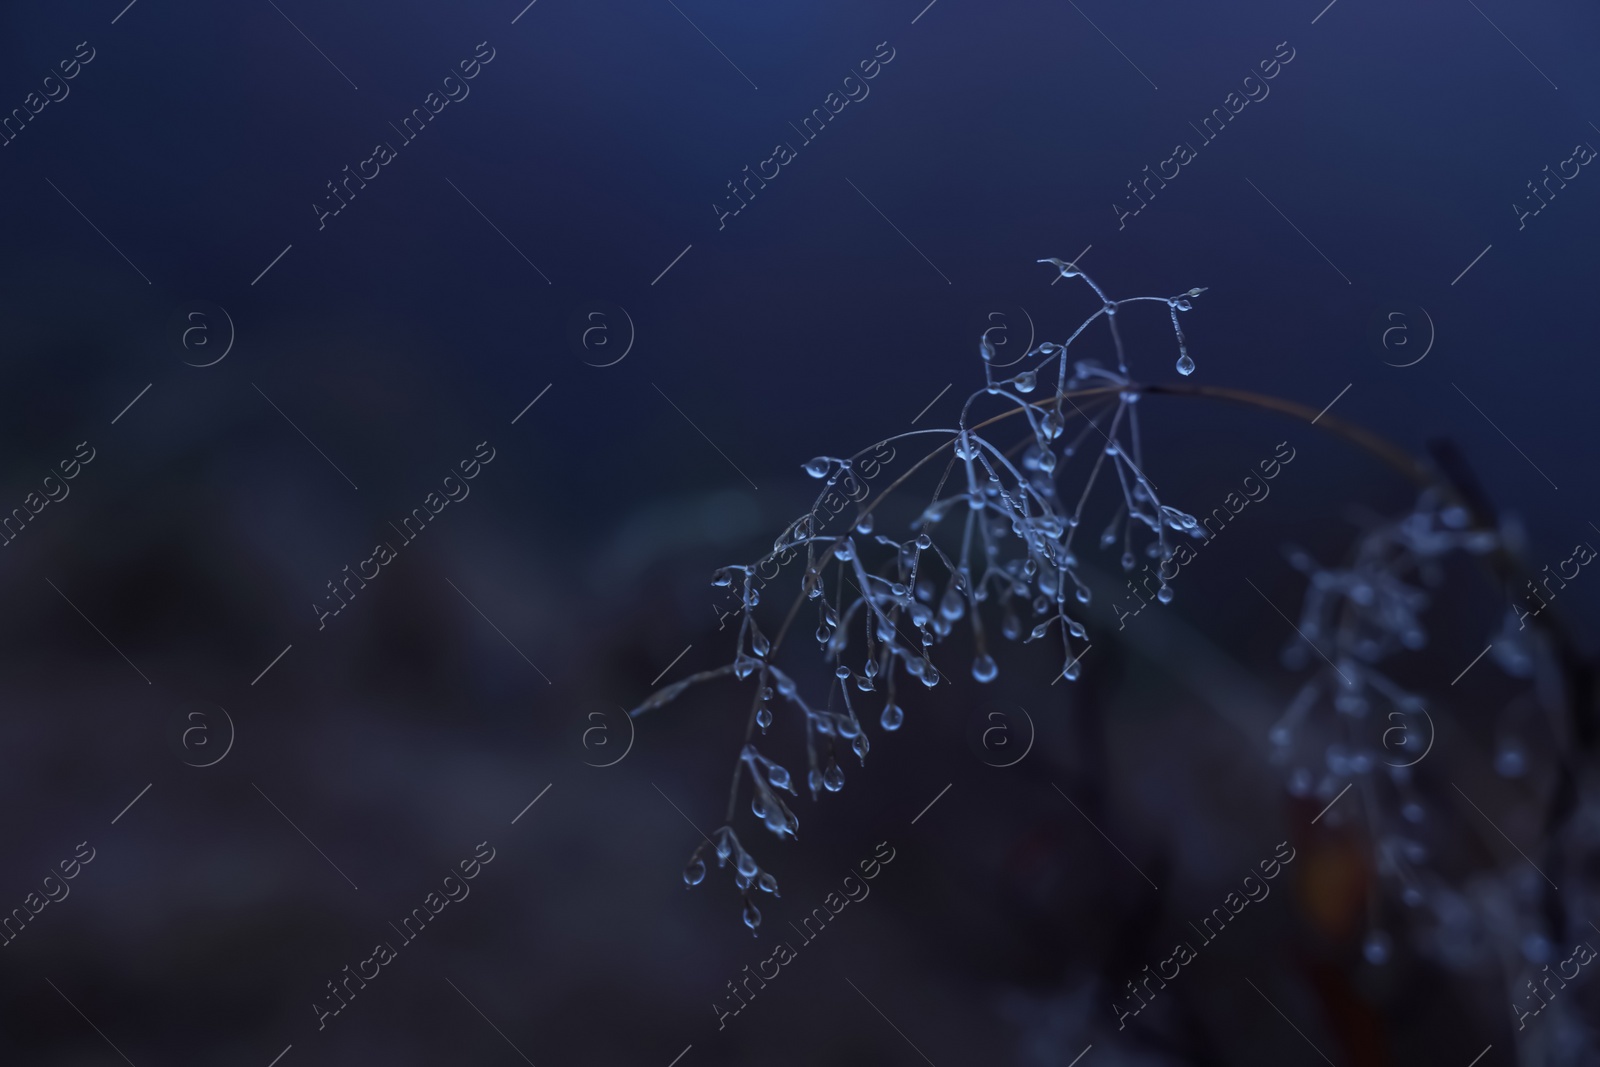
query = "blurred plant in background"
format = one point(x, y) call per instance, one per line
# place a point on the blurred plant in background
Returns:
point(1427, 835)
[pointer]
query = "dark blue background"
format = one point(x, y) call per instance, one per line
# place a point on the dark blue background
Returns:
point(407, 331)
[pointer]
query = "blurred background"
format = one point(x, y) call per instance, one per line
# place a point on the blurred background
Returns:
point(551, 268)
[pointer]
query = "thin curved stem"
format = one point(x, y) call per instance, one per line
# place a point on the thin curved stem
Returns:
point(1393, 455)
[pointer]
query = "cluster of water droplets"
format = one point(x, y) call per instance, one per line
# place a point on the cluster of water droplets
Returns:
point(770, 777)
point(994, 544)
point(724, 844)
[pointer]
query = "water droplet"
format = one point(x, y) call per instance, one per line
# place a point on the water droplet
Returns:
point(1164, 594)
point(1026, 381)
point(778, 777)
point(695, 873)
point(759, 644)
point(743, 665)
point(1185, 365)
point(752, 916)
point(833, 777)
point(763, 717)
point(1338, 760)
point(1510, 762)
point(924, 542)
point(1176, 519)
point(722, 578)
point(1128, 561)
point(985, 349)
point(860, 746)
point(1083, 595)
point(1377, 948)
point(817, 467)
point(845, 550)
point(864, 524)
point(984, 668)
point(892, 717)
point(814, 782)
point(767, 883)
